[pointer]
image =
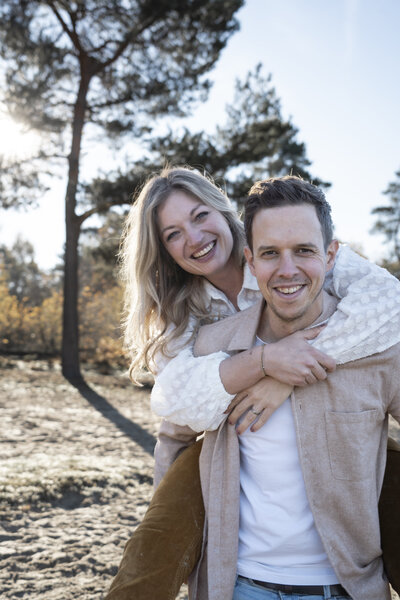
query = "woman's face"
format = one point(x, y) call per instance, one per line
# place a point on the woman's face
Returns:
point(196, 236)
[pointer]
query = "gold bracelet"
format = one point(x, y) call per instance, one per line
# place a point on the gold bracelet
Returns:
point(262, 361)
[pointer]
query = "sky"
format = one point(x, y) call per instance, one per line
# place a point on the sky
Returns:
point(335, 67)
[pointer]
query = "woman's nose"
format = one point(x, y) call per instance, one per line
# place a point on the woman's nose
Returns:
point(193, 236)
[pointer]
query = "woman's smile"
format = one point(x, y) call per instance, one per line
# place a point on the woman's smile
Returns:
point(204, 252)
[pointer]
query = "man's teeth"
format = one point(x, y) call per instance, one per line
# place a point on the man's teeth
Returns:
point(204, 251)
point(289, 290)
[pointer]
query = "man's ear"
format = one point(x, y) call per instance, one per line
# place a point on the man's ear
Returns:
point(331, 254)
point(250, 259)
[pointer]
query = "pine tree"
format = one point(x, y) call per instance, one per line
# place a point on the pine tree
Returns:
point(255, 142)
point(388, 223)
point(113, 65)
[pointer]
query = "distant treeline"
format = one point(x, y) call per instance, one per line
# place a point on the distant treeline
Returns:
point(31, 307)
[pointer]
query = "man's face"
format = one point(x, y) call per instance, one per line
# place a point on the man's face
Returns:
point(290, 264)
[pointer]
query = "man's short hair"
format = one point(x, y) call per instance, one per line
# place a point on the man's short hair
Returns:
point(287, 191)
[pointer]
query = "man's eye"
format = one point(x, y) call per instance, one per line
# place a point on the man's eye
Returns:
point(305, 251)
point(268, 253)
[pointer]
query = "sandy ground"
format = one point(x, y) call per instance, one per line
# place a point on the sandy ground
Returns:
point(75, 479)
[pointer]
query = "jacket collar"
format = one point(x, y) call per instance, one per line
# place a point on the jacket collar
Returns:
point(245, 333)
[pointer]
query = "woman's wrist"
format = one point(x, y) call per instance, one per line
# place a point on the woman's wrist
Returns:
point(272, 362)
point(265, 374)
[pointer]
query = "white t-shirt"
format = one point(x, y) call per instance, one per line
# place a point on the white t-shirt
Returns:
point(278, 540)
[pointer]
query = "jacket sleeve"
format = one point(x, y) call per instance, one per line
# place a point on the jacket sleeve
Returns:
point(172, 439)
point(394, 379)
point(189, 391)
point(367, 319)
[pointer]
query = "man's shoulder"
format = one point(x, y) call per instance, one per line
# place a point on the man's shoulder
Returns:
point(387, 360)
point(391, 354)
point(388, 354)
point(220, 335)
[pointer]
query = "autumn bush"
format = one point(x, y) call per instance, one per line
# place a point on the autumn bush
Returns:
point(29, 329)
point(100, 327)
point(26, 329)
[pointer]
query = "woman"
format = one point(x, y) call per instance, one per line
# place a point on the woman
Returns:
point(183, 265)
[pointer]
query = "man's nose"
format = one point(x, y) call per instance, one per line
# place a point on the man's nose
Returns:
point(287, 266)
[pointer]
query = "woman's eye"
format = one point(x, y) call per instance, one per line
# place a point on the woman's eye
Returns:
point(201, 215)
point(171, 235)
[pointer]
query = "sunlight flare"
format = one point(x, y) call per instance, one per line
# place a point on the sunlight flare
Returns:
point(15, 140)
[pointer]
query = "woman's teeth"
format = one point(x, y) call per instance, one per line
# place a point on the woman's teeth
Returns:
point(205, 251)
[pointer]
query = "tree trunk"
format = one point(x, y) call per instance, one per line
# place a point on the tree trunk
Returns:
point(70, 335)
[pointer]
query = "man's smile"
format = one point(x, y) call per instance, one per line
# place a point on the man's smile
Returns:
point(287, 290)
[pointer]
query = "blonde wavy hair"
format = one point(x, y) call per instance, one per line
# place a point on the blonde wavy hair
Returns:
point(158, 292)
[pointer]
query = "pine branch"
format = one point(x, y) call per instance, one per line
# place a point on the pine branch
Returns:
point(73, 36)
point(103, 207)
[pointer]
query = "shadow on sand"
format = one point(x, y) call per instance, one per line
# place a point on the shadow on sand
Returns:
point(129, 428)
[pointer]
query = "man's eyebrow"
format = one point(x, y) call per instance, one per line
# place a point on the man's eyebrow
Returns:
point(307, 245)
point(301, 245)
point(191, 214)
point(265, 248)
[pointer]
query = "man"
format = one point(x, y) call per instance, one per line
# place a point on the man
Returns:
point(310, 478)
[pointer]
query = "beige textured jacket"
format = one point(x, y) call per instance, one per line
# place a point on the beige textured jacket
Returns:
point(341, 427)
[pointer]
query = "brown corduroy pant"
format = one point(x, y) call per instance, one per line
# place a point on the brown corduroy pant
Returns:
point(166, 546)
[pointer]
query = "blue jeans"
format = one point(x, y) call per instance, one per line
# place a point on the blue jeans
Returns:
point(246, 589)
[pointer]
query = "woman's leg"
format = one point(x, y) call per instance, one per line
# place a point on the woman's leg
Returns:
point(389, 516)
point(166, 546)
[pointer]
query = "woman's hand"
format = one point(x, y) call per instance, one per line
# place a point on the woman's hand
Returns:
point(262, 398)
point(291, 360)
point(294, 361)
